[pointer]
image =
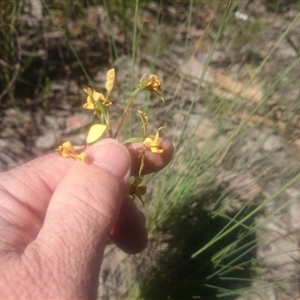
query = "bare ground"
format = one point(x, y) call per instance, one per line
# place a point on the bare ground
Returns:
point(36, 119)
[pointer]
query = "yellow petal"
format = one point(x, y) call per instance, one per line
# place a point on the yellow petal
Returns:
point(152, 143)
point(95, 133)
point(148, 140)
point(156, 149)
point(93, 98)
point(155, 83)
point(107, 102)
point(81, 157)
point(98, 97)
point(66, 150)
point(89, 103)
point(88, 91)
point(88, 106)
point(110, 80)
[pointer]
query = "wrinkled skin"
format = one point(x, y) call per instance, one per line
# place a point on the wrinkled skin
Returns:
point(56, 216)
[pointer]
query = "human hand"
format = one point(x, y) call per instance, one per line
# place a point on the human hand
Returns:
point(56, 216)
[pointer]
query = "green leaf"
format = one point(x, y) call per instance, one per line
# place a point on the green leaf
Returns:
point(95, 132)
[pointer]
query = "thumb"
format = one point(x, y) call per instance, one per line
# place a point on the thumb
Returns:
point(83, 210)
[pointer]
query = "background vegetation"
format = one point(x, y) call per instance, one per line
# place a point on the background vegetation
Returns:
point(223, 217)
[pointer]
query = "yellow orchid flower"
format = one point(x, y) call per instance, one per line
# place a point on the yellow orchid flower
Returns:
point(152, 143)
point(94, 98)
point(151, 83)
point(136, 190)
point(67, 150)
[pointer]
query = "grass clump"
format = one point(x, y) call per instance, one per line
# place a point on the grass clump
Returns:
point(230, 87)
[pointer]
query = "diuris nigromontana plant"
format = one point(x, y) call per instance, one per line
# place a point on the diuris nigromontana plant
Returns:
point(99, 104)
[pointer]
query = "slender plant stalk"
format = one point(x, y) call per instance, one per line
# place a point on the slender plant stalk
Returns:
point(128, 106)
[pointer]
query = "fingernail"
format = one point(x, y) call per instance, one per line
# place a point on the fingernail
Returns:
point(112, 156)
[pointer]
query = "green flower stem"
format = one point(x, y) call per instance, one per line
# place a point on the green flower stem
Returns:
point(128, 106)
point(107, 121)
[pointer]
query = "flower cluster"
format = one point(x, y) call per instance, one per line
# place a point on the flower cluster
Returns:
point(99, 104)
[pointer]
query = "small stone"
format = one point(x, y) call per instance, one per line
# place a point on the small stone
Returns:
point(54, 122)
point(78, 121)
point(272, 143)
point(46, 141)
point(7, 132)
point(11, 112)
point(15, 146)
point(73, 88)
point(78, 139)
point(4, 158)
